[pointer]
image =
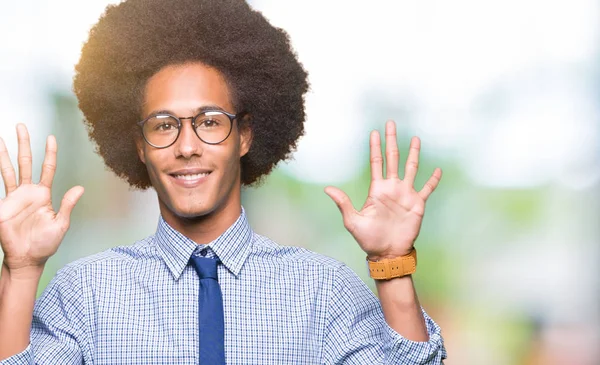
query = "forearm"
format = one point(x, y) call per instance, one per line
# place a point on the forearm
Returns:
point(401, 308)
point(17, 299)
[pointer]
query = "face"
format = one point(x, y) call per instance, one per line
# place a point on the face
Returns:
point(192, 179)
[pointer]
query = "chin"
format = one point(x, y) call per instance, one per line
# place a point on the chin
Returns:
point(191, 205)
point(192, 211)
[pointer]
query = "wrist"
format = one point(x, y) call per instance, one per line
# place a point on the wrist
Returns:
point(382, 257)
point(22, 274)
point(399, 266)
point(389, 255)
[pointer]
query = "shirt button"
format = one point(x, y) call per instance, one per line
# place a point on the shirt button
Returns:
point(203, 252)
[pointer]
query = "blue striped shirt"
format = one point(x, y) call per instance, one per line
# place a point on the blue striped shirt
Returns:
point(138, 304)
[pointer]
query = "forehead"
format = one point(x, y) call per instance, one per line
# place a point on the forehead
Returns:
point(184, 88)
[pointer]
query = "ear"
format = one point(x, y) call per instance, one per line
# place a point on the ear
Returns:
point(245, 136)
point(139, 146)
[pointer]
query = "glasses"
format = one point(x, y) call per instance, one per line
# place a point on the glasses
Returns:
point(211, 126)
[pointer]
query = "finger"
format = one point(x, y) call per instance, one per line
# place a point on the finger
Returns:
point(376, 159)
point(343, 203)
point(431, 184)
point(24, 156)
point(68, 203)
point(391, 151)
point(412, 162)
point(49, 165)
point(6, 169)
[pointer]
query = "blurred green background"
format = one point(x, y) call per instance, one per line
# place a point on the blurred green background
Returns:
point(505, 96)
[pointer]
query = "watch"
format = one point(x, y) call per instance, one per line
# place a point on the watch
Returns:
point(393, 268)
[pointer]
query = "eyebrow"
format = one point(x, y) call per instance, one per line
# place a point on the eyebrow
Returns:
point(195, 112)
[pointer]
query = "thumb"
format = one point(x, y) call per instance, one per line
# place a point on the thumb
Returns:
point(68, 203)
point(343, 202)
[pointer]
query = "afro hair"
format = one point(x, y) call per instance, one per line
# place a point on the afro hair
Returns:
point(136, 38)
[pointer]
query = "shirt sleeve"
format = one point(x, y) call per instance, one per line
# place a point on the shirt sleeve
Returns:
point(356, 331)
point(58, 326)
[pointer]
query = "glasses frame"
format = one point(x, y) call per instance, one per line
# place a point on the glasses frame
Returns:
point(193, 119)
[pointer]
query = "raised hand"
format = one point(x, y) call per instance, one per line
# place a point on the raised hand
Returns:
point(390, 220)
point(30, 229)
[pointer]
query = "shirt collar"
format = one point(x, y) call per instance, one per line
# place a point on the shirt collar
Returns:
point(232, 247)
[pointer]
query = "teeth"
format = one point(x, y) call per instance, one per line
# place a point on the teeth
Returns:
point(191, 177)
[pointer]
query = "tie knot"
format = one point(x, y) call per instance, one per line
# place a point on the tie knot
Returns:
point(205, 267)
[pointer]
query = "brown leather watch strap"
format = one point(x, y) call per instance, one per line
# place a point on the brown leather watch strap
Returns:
point(393, 268)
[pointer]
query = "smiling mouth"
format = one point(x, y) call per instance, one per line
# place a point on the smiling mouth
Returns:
point(190, 177)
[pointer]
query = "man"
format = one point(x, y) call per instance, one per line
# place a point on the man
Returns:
point(195, 98)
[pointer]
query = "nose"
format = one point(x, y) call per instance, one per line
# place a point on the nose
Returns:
point(188, 144)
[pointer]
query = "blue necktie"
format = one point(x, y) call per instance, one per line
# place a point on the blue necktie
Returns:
point(210, 312)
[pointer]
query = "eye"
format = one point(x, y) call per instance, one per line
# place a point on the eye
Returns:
point(165, 126)
point(209, 123)
point(162, 123)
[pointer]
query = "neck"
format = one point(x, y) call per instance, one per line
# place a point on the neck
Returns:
point(204, 228)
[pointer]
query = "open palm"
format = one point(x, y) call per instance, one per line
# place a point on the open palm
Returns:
point(390, 220)
point(30, 230)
